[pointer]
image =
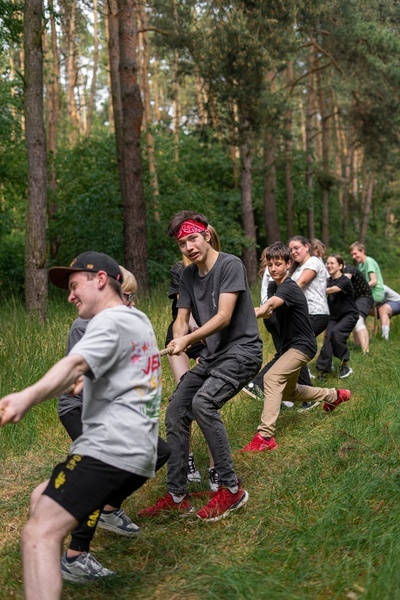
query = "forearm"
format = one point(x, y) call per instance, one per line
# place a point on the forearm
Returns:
point(59, 378)
point(216, 323)
point(265, 310)
point(332, 290)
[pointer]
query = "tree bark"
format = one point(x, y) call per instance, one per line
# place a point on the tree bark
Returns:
point(95, 66)
point(367, 207)
point(113, 53)
point(176, 90)
point(270, 215)
point(72, 74)
point(151, 146)
point(326, 178)
point(310, 104)
point(53, 113)
point(133, 201)
point(36, 290)
point(249, 252)
point(288, 145)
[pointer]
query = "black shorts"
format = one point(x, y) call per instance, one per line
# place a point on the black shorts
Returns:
point(193, 352)
point(364, 305)
point(82, 485)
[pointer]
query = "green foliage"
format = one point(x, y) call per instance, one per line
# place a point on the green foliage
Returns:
point(88, 200)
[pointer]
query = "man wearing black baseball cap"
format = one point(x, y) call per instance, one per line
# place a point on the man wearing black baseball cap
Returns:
point(90, 261)
point(117, 450)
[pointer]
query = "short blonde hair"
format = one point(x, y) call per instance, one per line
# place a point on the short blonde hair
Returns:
point(129, 283)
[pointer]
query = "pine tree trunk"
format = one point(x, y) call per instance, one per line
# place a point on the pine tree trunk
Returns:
point(95, 66)
point(113, 53)
point(249, 252)
point(72, 73)
point(367, 207)
point(326, 179)
point(151, 146)
point(176, 90)
point(156, 91)
point(270, 216)
point(310, 104)
point(133, 201)
point(53, 113)
point(36, 290)
point(288, 145)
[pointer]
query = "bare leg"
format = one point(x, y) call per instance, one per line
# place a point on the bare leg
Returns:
point(179, 365)
point(42, 539)
point(385, 313)
point(364, 339)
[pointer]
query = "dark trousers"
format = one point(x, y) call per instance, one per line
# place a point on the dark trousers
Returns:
point(82, 536)
point(335, 343)
point(200, 395)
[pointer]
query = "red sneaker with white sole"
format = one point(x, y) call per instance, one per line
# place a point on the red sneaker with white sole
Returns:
point(259, 444)
point(342, 396)
point(222, 503)
point(167, 505)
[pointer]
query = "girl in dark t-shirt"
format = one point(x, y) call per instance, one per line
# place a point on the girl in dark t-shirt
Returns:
point(344, 316)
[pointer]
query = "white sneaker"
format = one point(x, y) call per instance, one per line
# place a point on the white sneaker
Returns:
point(287, 404)
point(193, 474)
point(84, 568)
point(118, 522)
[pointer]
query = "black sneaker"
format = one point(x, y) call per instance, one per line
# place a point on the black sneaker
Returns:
point(213, 479)
point(344, 371)
point(254, 391)
point(193, 473)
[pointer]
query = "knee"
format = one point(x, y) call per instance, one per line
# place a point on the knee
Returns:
point(33, 531)
point(360, 325)
point(202, 406)
point(36, 495)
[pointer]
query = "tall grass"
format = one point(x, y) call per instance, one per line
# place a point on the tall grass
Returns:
point(323, 517)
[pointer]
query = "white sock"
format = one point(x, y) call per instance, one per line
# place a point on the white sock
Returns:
point(385, 331)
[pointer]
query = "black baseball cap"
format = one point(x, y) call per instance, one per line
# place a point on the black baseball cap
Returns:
point(90, 261)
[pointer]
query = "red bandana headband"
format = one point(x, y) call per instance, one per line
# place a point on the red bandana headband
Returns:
point(189, 227)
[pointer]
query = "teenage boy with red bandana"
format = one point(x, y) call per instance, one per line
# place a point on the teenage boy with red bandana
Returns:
point(215, 290)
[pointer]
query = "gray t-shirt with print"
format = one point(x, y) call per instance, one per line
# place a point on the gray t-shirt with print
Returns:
point(201, 295)
point(122, 391)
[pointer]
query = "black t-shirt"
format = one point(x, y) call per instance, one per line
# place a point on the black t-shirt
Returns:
point(173, 289)
point(360, 284)
point(293, 319)
point(341, 303)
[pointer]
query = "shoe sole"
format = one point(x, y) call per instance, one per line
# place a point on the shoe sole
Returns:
point(236, 506)
point(117, 530)
point(251, 394)
point(82, 578)
point(308, 407)
point(193, 479)
point(347, 374)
